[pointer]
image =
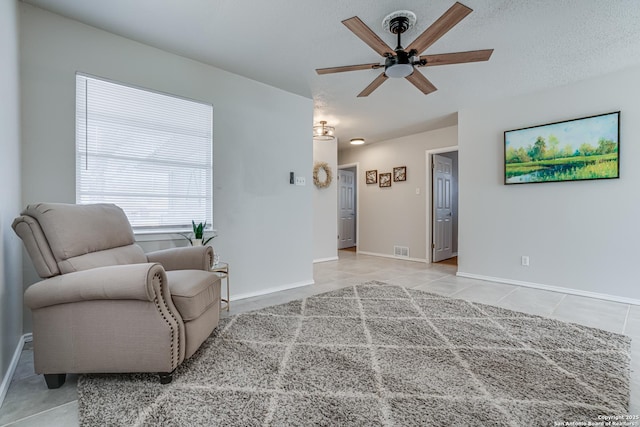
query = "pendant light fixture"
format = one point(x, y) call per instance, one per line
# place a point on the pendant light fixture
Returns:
point(322, 132)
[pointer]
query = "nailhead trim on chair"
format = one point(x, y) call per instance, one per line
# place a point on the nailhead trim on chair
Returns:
point(174, 362)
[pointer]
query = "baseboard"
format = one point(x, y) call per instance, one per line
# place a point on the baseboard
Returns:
point(333, 258)
point(571, 291)
point(393, 256)
point(272, 290)
point(6, 381)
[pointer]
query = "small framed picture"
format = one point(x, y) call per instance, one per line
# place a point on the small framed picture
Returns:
point(385, 179)
point(371, 176)
point(400, 173)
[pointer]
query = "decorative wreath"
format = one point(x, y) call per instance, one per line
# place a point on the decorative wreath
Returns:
point(327, 170)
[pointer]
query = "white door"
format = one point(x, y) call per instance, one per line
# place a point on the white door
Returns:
point(346, 209)
point(442, 208)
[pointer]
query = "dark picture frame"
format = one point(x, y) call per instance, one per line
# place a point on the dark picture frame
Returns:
point(400, 174)
point(371, 176)
point(586, 148)
point(385, 179)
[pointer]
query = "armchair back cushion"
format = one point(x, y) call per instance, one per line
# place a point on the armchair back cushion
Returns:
point(63, 238)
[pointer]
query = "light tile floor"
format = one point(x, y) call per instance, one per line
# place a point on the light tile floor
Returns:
point(29, 403)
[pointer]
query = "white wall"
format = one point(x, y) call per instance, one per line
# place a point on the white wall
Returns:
point(10, 248)
point(260, 134)
point(395, 215)
point(579, 235)
point(325, 205)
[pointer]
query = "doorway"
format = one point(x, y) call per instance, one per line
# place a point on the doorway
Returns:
point(347, 206)
point(442, 206)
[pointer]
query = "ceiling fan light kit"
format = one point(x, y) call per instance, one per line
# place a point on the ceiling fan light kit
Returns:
point(322, 132)
point(398, 66)
point(401, 62)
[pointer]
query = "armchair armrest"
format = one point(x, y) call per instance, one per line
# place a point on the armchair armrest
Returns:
point(184, 258)
point(117, 282)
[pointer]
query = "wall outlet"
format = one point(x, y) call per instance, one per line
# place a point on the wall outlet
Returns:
point(525, 260)
point(300, 180)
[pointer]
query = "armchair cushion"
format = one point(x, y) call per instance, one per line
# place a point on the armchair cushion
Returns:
point(192, 291)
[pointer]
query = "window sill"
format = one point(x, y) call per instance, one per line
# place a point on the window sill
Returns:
point(164, 235)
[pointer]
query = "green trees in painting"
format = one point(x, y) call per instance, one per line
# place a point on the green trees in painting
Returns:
point(539, 150)
point(606, 146)
point(553, 153)
point(517, 156)
point(554, 143)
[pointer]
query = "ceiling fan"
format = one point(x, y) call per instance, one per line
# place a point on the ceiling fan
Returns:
point(401, 62)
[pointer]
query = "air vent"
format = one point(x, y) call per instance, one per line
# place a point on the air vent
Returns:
point(402, 251)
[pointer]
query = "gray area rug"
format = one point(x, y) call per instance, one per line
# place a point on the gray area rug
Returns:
point(378, 354)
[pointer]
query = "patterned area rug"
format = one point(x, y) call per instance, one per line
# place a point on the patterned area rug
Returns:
point(378, 354)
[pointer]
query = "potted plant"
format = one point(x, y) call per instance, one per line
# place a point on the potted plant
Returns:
point(198, 234)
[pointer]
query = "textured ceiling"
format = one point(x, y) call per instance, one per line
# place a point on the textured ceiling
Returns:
point(538, 44)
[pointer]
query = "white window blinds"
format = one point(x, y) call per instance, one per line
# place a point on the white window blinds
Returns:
point(147, 152)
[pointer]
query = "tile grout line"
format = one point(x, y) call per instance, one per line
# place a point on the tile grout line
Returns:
point(38, 413)
point(515, 288)
point(626, 319)
point(460, 290)
point(555, 307)
point(441, 278)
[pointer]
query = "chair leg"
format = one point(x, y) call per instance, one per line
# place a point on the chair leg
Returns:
point(55, 380)
point(165, 377)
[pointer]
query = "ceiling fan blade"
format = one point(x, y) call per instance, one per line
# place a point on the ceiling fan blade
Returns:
point(456, 58)
point(439, 28)
point(374, 85)
point(421, 82)
point(365, 34)
point(331, 70)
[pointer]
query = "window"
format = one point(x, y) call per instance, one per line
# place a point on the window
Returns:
point(147, 152)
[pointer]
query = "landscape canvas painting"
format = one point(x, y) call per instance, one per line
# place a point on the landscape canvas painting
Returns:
point(573, 150)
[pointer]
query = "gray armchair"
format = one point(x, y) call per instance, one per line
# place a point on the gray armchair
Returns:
point(104, 305)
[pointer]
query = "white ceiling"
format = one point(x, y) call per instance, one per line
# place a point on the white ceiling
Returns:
point(538, 44)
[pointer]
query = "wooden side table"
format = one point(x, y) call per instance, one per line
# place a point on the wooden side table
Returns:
point(222, 270)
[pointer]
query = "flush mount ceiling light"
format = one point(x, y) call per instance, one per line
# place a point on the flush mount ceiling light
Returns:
point(357, 141)
point(322, 132)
